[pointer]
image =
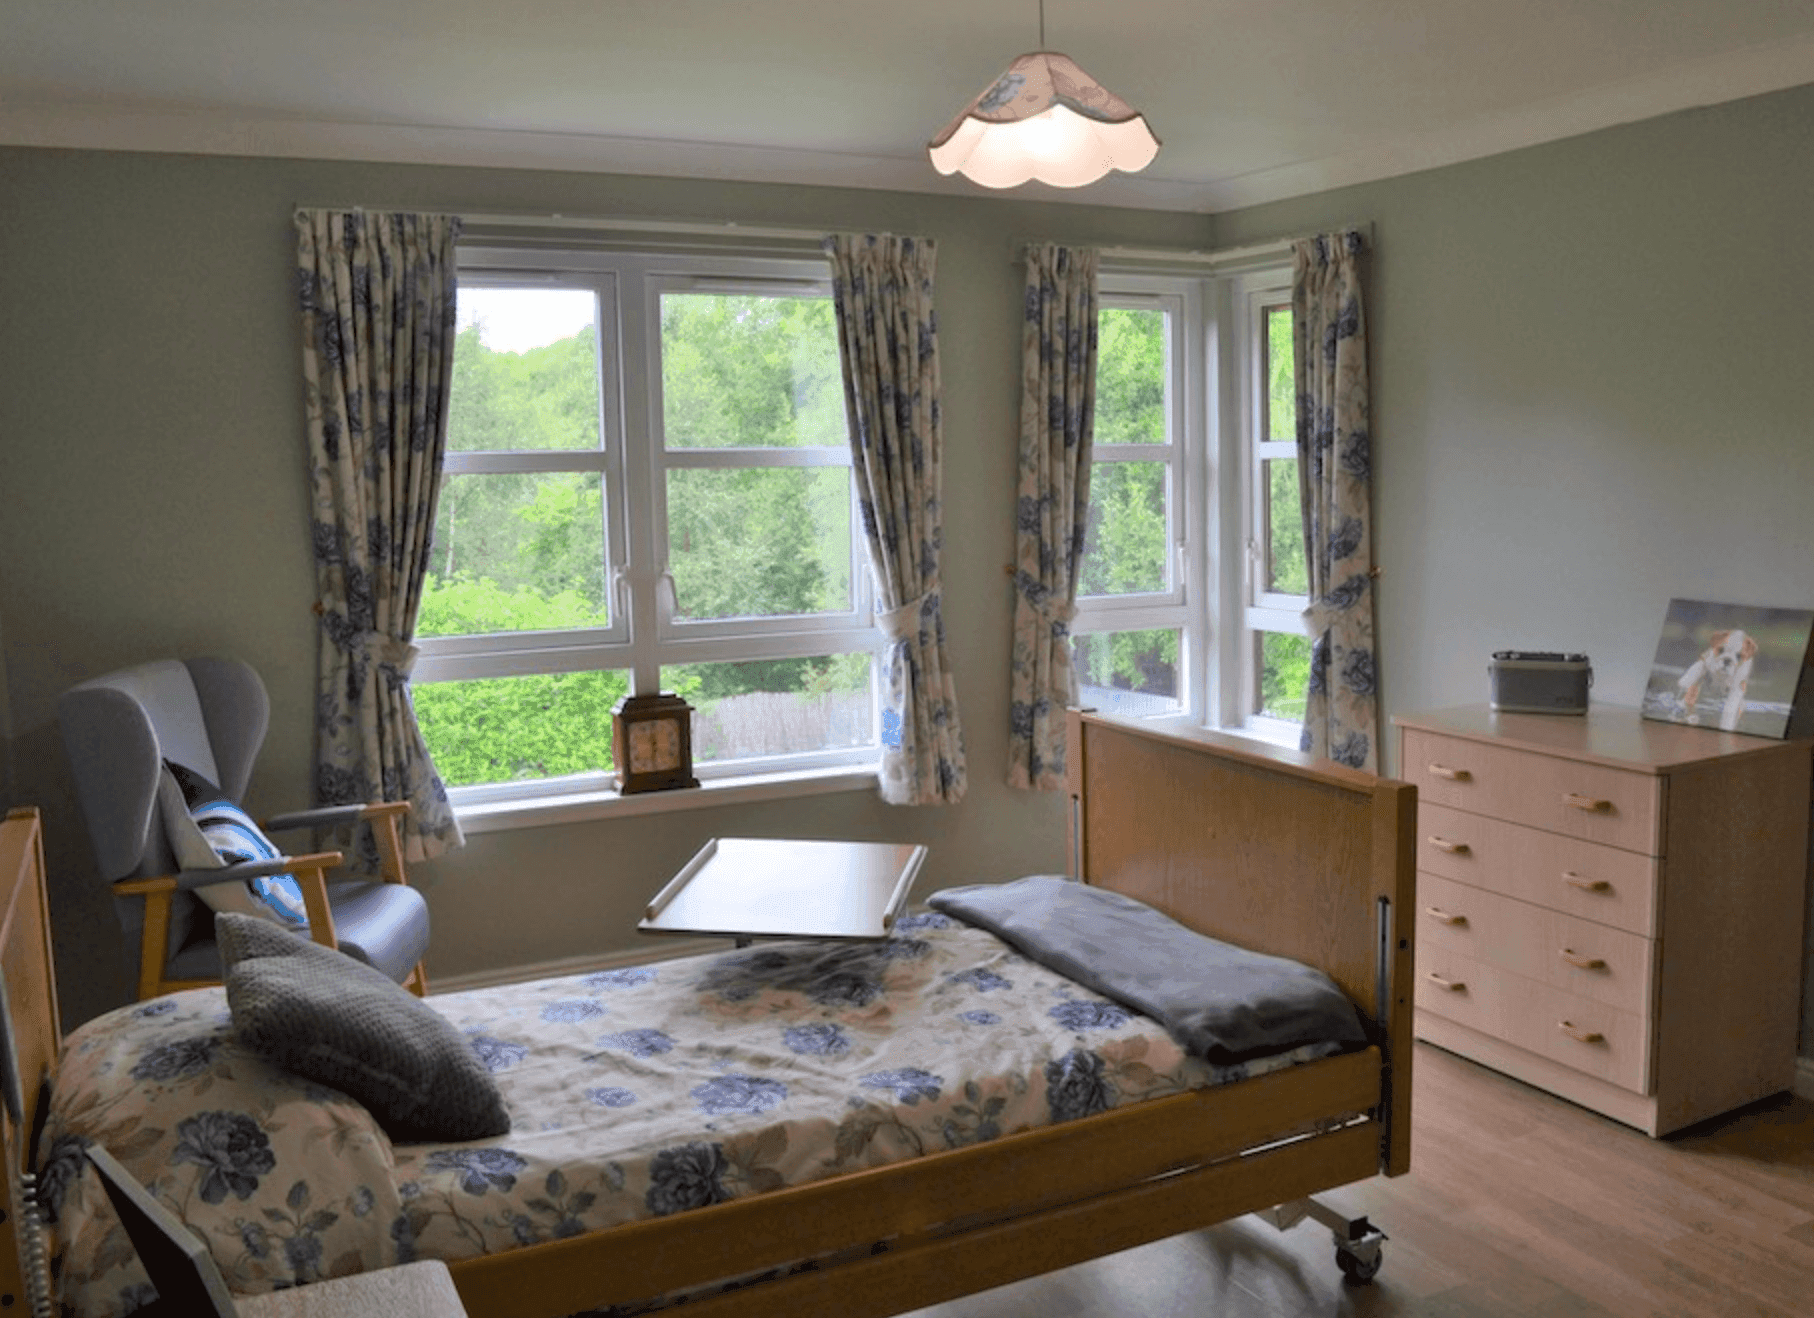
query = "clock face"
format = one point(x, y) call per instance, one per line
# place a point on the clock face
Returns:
point(654, 746)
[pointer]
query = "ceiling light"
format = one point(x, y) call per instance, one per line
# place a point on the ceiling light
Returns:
point(1044, 119)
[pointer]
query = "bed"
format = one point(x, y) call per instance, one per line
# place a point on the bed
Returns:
point(1260, 849)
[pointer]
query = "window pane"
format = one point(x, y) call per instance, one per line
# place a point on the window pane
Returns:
point(1128, 672)
point(1281, 385)
point(508, 729)
point(1282, 661)
point(516, 552)
point(525, 373)
point(1286, 571)
point(759, 542)
point(1124, 548)
point(1130, 377)
point(750, 371)
point(777, 706)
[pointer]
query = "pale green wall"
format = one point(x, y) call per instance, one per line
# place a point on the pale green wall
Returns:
point(151, 419)
point(1591, 365)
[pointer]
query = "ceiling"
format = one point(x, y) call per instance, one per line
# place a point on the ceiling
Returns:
point(1254, 99)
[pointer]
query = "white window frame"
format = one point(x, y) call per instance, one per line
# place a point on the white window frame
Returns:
point(645, 634)
point(1170, 608)
point(1216, 402)
point(1264, 610)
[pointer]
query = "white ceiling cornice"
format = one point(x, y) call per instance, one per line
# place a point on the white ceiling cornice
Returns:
point(104, 125)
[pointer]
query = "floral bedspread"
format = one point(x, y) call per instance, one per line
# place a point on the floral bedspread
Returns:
point(633, 1093)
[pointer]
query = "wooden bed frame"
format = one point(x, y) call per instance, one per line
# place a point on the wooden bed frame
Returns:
point(1257, 847)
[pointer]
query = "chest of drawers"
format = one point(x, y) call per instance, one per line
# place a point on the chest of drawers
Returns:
point(1611, 908)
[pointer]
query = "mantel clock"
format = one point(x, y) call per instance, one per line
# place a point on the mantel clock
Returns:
point(652, 743)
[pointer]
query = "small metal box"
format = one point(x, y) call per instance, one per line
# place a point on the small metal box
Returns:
point(1539, 682)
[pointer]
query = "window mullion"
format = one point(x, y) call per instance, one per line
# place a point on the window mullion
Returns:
point(644, 502)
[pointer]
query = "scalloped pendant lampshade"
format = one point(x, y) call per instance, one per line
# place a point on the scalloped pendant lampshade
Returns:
point(1044, 119)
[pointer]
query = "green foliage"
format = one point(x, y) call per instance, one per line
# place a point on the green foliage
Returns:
point(1281, 378)
point(1125, 544)
point(504, 728)
point(545, 398)
point(1143, 661)
point(750, 372)
point(1290, 574)
point(1130, 376)
point(1284, 674)
point(501, 729)
point(759, 541)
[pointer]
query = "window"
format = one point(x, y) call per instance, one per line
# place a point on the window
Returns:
point(1193, 581)
point(647, 486)
point(1278, 580)
point(1133, 638)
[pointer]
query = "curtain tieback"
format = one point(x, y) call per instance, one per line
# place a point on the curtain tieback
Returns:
point(1050, 605)
point(903, 624)
point(397, 656)
point(1325, 609)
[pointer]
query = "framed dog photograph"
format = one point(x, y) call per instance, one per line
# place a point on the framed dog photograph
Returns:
point(1729, 666)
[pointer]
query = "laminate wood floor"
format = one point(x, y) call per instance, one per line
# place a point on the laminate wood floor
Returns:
point(1517, 1205)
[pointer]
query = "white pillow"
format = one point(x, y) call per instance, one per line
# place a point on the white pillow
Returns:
point(207, 830)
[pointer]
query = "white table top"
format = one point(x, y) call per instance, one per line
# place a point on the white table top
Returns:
point(772, 887)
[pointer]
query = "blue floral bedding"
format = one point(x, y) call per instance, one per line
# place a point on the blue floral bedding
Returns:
point(633, 1093)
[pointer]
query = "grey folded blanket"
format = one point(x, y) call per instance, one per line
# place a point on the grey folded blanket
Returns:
point(1221, 1002)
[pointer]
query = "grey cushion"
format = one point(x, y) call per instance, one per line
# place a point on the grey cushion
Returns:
point(322, 1015)
point(1222, 1002)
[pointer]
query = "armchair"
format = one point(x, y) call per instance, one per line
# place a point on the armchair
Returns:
point(210, 716)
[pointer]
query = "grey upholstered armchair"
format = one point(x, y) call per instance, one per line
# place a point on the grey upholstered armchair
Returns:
point(124, 732)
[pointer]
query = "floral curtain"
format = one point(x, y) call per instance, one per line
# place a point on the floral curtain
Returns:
point(377, 300)
point(1341, 714)
point(888, 346)
point(1057, 422)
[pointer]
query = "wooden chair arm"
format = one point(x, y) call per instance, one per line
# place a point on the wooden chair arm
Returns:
point(315, 901)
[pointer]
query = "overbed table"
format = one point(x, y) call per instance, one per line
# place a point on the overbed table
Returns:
point(748, 888)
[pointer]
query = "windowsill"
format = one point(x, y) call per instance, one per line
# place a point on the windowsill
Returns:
point(579, 807)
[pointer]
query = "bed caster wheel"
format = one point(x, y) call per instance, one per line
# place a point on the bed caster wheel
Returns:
point(1359, 1259)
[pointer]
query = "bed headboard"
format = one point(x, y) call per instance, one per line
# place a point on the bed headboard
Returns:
point(1257, 846)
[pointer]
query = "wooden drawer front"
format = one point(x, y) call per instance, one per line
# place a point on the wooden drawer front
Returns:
point(1524, 1012)
point(1616, 807)
point(1589, 960)
point(1584, 879)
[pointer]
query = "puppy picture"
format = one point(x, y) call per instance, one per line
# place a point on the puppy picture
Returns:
point(1728, 666)
point(1725, 665)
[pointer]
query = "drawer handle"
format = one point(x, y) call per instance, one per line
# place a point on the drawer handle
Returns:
point(1452, 985)
point(1442, 916)
point(1453, 775)
point(1578, 1034)
point(1580, 962)
point(1453, 848)
point(1593, 805)
point(1574, 880)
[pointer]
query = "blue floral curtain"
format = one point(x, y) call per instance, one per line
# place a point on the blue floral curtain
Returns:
point(888, 346)
point(1341, 712)
point(377, 299)
point(1057, 423)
